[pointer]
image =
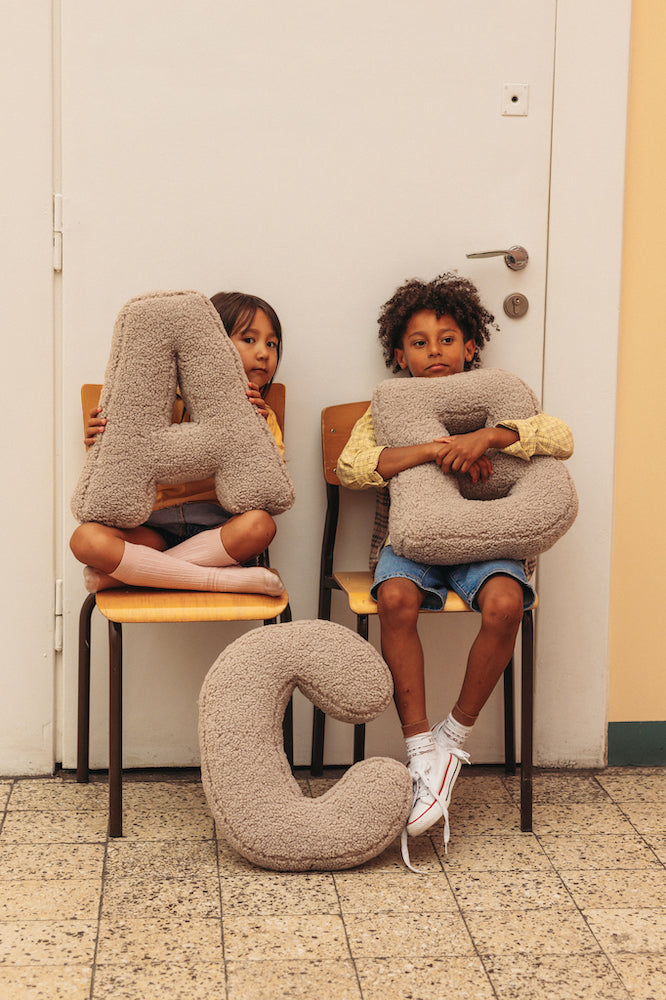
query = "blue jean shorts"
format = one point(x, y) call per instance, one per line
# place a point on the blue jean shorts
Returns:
point(466, 579)
point(175, 524)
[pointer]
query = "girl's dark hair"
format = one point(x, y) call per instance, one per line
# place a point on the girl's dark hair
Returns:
point(237, 309)
point(446, 295)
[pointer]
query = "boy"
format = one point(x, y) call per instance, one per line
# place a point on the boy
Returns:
point(430, 330)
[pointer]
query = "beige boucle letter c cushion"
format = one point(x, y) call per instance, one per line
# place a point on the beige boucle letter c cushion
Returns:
point(523, 509)
point(160, 341)
point(254, 798)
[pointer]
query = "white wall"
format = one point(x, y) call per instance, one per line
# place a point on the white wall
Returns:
point(579, 385)
point(26, 582)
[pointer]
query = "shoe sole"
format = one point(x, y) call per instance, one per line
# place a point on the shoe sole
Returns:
point(433, 812)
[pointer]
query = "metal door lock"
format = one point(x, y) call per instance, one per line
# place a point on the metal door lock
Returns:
point(516, 305)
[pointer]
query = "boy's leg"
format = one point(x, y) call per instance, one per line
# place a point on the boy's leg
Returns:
point(433, 769)
point(501, 601)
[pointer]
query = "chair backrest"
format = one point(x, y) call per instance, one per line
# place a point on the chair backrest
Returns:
point(336, 426)
point(275, 397)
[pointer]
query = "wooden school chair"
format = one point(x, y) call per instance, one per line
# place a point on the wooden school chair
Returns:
point(336, 425)
point(133, 605)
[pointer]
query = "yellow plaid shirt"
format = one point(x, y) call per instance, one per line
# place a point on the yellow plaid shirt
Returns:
point(357, 465)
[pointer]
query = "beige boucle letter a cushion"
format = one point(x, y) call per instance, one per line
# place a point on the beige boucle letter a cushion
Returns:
point(255, 800)
point(160, 341)
point(523, 509)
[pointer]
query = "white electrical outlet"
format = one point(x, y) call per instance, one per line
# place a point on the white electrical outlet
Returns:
point(515, 98)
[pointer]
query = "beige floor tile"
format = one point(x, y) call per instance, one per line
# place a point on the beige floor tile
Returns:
point(64, 826)
point(511, 852)
point(393, 892)
point(547, 931)
point(51, 899)
point(598, 851)
point(181, 859)
point(421, 850)
point(567, 786)
point(424, 979)
point(474, 819)
point(5, 788)
point(53, 942)
point(587, 818)
point(629, 930)
point(285, 938)
point(481, 788)
point(509, 890)
point(232, 863)
point(319, 786)
point(160, 982)
point(50, 861)
point(54, 793)
point(555, 977)
point(602, 889)
point(647, 817)
point(180, 824)
point(48, 983)
point(173, 941)
point(643, 975)
point(634, 784)
point(311, 980)
point(145, 897)
point(275, 893)
point(658, 844)
point(414, 935)
point(162, 796)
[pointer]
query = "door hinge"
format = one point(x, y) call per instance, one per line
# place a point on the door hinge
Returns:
point(57, 632)
point(57, 232)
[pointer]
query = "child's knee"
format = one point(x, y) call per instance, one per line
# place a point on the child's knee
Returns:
point(260, 526)
point(398, 603)
point(502, 604)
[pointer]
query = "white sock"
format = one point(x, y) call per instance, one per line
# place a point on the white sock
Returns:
point(204, 549)
point(419, 744)
point(454, 731)
point(142, 566)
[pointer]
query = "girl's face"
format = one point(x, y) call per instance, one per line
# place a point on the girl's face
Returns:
point(258, 348)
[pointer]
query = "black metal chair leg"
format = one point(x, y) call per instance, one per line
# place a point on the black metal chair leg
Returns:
point(509, 722)
point(527, 722)
point(83, 713)
point(318, 732)
point(115, 730)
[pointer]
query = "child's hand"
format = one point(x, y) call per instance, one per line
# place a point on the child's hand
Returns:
point(461, 452)
point(94, 427)
point(254, 395)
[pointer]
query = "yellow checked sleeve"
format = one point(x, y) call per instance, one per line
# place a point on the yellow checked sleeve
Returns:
point(357, 464)
point(539, 435)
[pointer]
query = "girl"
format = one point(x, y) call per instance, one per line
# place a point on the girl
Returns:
point(189, 542)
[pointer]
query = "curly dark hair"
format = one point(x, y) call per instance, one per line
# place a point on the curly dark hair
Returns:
point(446, 295)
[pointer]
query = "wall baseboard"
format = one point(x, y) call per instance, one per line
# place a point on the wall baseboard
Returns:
point(636, 743)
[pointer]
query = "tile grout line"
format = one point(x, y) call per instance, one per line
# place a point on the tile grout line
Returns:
point(93, 969)
point(219, 891)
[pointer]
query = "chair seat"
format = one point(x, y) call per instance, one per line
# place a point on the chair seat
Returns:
point(357, 584)
point(138, 604)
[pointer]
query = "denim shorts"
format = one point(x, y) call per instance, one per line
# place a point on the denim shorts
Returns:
point(466, 579)
point(175, 524)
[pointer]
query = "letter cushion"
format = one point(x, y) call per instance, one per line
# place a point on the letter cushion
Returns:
point(523, 509)
point(160, 341)
point(255, 800)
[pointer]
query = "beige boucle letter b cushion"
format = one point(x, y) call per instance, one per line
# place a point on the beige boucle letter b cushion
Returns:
point(523, 509)
point(255, 800)
point(161, 341)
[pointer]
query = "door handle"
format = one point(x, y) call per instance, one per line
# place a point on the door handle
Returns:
point(515, 258)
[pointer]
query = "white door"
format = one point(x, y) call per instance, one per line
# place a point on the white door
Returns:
point(317, 154)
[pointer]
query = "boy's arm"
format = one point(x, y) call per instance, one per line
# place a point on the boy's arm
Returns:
point(364, 463)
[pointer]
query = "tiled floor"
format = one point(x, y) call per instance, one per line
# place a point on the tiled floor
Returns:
point(575, 910)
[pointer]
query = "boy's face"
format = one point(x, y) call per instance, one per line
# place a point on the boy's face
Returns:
point(432, 346)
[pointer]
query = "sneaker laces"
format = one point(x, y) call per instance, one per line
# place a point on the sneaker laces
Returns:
point(421, 778)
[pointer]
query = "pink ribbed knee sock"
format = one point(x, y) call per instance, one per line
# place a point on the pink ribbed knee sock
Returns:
point(204, 549)
point(142, 566)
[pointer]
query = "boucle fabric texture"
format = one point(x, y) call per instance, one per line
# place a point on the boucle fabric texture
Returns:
point(160, 341)
point(250, 789)
point(523, 509)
